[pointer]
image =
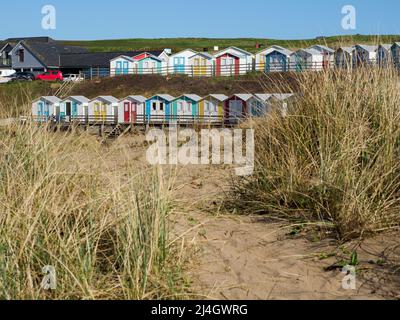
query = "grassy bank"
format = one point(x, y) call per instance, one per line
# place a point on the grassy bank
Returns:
point(249, 44)
point(69, 202)
point(334, 158)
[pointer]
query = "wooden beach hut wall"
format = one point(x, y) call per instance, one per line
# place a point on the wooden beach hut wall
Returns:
point(236, 107)
point(46, 107)
point(158, 108)
point(211, 107)
point(202, 64)
point(281, 102)
point(307, 59)
point(395, 49)
point(233, 61)
point(122, 65)
point(132, 109)
point(277, 60)
point(344, 57)
point(103, 109)
point(328, 55)
point(364, 55)
point(384, 55)
point(180, 62)
point(74, 107)
point(260, 56)
point(186, 107)
point(260, 104)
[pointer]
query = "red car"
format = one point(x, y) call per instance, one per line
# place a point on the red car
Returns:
point(50, 75)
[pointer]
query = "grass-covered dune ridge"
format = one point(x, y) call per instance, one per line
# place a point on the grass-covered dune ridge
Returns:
point(65, 203)
point(335, 156)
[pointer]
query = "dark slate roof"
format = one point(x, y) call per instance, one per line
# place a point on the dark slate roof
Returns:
point(49, 53)
point(97, 59)
point(33, 39)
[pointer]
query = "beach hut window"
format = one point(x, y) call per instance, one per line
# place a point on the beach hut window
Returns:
point(180, 106)
point(161, 106)
point(207, 106)
point(154, 106)
point(189, 106)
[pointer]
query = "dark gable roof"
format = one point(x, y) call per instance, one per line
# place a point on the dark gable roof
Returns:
point(49, 52)
point(97, 59)
point(33, 39)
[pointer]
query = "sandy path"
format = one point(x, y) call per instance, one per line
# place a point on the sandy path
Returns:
point(250, 258)
point(236, 257)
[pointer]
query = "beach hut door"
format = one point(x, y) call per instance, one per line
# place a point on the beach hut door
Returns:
point(127, 112)
point(133, 112)
point(40, 109)
point(236, 109)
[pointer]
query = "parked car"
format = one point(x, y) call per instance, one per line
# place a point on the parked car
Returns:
point(21, 76)
point(51, 75)
point(6, 72)
point(73, 78)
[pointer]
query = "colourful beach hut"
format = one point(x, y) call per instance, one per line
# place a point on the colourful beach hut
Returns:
point(185, 108)
point(149, 65)
point(237, 107)
point(211, 108)
point(103, 109)
point(277, 60)
point(158, 108)
point(384, 55)
point(46, 107)
point(122, 65)
point(74, 107)
point(131, 109)
point(233, 61)
point(180, 62)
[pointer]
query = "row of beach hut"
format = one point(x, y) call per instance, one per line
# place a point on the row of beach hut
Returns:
point(137, 109)
point(236, 61)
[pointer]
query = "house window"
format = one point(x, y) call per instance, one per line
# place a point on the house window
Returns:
point(21, 55)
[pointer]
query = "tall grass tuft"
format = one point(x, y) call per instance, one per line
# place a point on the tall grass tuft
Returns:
point(334, 157)
point(65, 204)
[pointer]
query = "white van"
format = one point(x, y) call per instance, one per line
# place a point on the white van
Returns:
point(4, 74)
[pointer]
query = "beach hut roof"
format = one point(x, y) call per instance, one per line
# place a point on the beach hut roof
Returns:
point(244, 96)
point(193, 97)
point(80, 99)
point(151, 57)
point(137, 98)
point(283, 51)
point(51, 99)
point(283, 96)
point(203, 54)
point(367, 48)
point(263, 96)
point(323, 48)
point(123, 57)
point(347, 49)
point(244, 52)
point(178, 53)
point(219, 97)
point(385, 46)
point(109, 99)
point(165, 97)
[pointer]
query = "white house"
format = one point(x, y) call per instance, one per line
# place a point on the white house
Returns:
point(344, 57)
point(74, 107)
point(103, 109)
point(132, 109)
point(307, 59)
point(233, 61)
point(46, 107)
point(364, 55)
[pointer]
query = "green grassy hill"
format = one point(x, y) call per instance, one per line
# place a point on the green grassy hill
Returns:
point(177, 44)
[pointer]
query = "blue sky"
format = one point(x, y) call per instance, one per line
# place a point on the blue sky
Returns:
point(278, 19)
